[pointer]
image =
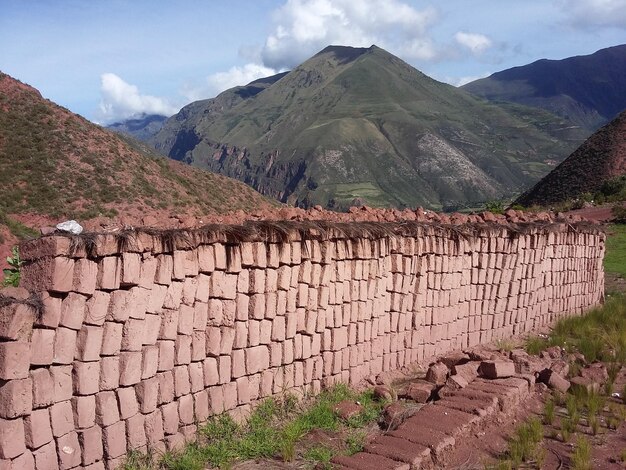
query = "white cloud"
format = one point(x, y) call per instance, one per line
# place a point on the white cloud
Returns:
point(304, 27)
point(476, 43)
point(121, 100)
point(592, 14)
point(218, 82)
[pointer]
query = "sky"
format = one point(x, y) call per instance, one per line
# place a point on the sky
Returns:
point(110, 60)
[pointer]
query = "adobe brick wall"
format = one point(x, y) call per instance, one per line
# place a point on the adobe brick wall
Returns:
point(144, 335)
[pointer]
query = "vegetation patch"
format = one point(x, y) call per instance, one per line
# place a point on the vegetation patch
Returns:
point(276, 429)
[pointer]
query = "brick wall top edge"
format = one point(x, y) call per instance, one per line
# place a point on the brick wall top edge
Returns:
point(149, 239)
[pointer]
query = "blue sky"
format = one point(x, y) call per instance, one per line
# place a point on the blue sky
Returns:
point(108, 60)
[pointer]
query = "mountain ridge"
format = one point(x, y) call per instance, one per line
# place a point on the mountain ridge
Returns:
point(585, 89)
point(350, 125)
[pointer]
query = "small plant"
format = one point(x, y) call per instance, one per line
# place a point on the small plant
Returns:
point(567, 427)
point(12, 274)
point(536, 344)
point(581, 458)
point(321, 456)
point(548, 412)
point(618, 212)
point(523, 446)
point(495, 207)
point(355, 442)
point(594, 424)
point(505, 345)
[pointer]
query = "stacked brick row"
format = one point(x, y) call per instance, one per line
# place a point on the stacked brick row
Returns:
point(136, 346)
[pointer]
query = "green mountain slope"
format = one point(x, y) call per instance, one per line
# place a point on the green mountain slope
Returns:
point(587, 90)
point(55, 163)
point(360, 124)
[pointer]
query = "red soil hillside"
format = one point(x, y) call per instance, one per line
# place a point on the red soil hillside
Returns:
point(600, 158)
point(56, 165)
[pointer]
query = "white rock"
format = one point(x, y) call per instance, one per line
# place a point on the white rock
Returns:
point(70, 226)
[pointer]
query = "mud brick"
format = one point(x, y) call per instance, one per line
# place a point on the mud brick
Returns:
point(119, 310)
point(399, 449)
point(156, 298)
point(169, 324)
point(497, 369)
point(366, 461)
point(91, 444)
point(69, 450)
point(109, 373)
point(152, 327)
point(138, 302)
point(276, 354)
point(164, 270)
point(173, 296)
point(182, 349)
point(16, 398)
point(147, 392)
point(46, 457)
point(243, 390)
point(51, 274)
point(154, 429)
point(130, 367)
point(185, 409)
point(73, 309)
point(12, 438)
point(216, 399)
point(201, 406)
point(16, 322)
point(86, 377)
point(109, 273)
point(84, 411)
point(215, 312)
point(257, 359)
point(62, 418)
point(206, 258)
point(51, 314)
point(26, 461)
point(147, 271)
point(203, 288)
point(85, 276)
point(64, 346)
point(196, 376)
point(135, 432)
point(210, 371)
point(224, 368)
point(89, 343)
point(166, 355)
point(149, 361)
point(437, 373)
point(128, 404)
point(185, 320)
point(223, 286)
point(198, 346)
point(37, 428)
point(170, 417)
point(43, 387)
point(131, 268)
point(166, 387)
point(182, 385)
point(62, 382)
point(96, 308)
point(114, 439)
point(213, 341)
point(14, 360)
point(48, 246)
point(230, 395)
point(469, 370)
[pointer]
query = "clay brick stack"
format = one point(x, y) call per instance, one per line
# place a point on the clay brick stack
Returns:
point(141, 338)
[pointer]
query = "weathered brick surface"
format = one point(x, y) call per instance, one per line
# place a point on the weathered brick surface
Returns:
point(135, 347)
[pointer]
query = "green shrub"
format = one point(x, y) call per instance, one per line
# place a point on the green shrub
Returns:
point(12, 274)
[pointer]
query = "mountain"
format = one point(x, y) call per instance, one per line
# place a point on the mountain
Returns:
point(357, 125)
point(587, 90)
point(600, 159)
point(141, 127)
point(56, 164)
